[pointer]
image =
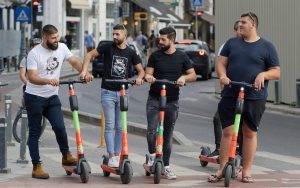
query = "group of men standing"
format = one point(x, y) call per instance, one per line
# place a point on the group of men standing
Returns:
point(248, 58)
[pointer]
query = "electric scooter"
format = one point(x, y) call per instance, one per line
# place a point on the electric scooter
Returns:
point(229, 169)
point(157, 168)
point(82, 168)
point(125, 169)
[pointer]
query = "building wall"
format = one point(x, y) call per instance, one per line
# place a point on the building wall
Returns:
point(278, 23)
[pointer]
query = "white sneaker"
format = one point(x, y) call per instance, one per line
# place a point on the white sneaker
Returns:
point(168, 174)
point(151, 159)
point(112, 162)
point(117, 159)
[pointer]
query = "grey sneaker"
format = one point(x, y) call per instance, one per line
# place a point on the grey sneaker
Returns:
point(168, 174)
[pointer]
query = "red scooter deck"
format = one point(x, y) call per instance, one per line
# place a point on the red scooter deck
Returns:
point(209, 159)
point(110, 169)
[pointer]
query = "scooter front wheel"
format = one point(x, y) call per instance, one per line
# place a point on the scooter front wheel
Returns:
point(127, 175)
point(84, 176)
point(157, 173)
point(228, 175)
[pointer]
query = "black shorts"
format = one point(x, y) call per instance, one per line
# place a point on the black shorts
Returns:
point(252, 113)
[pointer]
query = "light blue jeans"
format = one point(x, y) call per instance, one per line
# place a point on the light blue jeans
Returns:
point(111, 107)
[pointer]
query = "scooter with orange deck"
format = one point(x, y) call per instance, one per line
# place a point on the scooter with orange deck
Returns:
point(157, 168)
point(125, 169)
point(229, 170)
point(82, 168)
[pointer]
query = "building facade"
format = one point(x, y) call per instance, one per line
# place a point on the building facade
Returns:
point(278, 23)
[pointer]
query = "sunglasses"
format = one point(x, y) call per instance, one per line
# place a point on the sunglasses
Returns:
point(250, 16)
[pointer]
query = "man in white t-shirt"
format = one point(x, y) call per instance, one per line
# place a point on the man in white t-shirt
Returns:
point(44, 63)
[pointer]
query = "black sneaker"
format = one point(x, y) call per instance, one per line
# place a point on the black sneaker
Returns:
point(215, 153)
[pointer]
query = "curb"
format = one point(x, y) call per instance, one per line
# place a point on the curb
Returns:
point(133, 128)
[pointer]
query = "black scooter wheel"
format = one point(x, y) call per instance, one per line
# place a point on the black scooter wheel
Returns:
point(84, 176)
point(105, 162)
point(127, 175)
point(68, 173)
point(228, 175)
point(157, 173)
point(146, 172)
point(205, 152)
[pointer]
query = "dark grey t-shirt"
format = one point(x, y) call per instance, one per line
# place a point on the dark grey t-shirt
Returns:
point(245, 62)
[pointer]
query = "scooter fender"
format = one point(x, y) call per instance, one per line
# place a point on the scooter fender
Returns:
point(78, 169)
point(152, 169)
point(122, 165)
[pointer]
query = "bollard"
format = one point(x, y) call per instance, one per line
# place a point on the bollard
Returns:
point(8, 106)
point(298, 93)
point(3, 148)
point(276, 100)
point(23, 141)
point(8, 64)
point(102, 140)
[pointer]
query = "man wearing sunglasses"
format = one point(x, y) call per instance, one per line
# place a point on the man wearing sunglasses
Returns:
point(254, 60)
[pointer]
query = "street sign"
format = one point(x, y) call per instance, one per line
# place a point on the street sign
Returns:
point(23, 14)
point(197, 3)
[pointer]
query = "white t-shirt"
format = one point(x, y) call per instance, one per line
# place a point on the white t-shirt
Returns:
point(48, 65)
point(23, 63)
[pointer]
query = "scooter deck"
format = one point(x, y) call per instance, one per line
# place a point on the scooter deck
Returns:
point(215, 160)
point(147, 168)
point(110, 169)
point(72, 168)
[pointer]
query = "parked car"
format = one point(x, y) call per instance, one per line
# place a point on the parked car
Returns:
point(198, 52)
point(98, 65)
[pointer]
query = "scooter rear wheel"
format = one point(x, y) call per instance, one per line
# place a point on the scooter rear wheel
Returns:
point(157, 173)
point(105, 162)
point(127, 175)
point(146, 172)
point(84, 176)
point(204, 151)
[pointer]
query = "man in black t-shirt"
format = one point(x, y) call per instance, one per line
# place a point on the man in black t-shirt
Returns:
point(254, 60)
point(171, 64)
point(118, 58)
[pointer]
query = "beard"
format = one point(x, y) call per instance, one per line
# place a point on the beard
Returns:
point(164, 47)
point(52, 46)
point(118, 42)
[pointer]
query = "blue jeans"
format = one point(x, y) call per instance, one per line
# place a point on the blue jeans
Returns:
point(171, 114)
point(37, 107)
point(111, 107)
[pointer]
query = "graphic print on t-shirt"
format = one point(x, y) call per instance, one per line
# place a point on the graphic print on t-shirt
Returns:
point(118, 68)
point(52, 64)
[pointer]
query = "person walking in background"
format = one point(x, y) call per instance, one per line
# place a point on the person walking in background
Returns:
point(68, 40)
point(89, 41)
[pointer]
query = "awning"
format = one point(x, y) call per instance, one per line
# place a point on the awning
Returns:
point(162, 13)
point(209, 18)
point(80, 4)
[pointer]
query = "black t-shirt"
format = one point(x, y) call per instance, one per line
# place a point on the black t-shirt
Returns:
point(168, 66)
point(245, 62)
point(117, 64)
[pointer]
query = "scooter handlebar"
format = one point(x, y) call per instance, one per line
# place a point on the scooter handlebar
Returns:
point(3, 84)
point(121, 81)
point(72, 82)
point(165, 81)
point(245, 84)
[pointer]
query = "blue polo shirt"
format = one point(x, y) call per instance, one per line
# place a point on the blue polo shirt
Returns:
point(245, 61)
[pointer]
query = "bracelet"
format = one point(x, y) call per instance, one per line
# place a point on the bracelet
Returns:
point(222, 77)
